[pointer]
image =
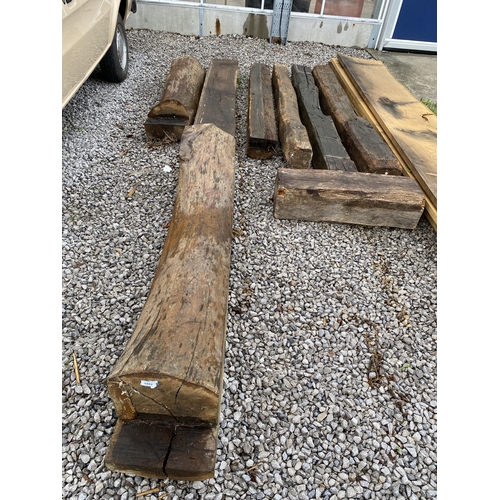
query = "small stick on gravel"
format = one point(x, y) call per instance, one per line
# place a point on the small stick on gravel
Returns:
point(147, 492)
point(132, 191)
point(254, 466)
point(75, 365)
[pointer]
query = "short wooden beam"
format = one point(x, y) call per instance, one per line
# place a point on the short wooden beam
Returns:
point(292, 133)
point(262, 133)
point(218, 97)
point(328, 151)
point(348, 197)
point(169, 377)
point(179, 102)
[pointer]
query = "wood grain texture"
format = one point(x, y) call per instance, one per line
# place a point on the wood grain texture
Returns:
point(362, 109)
point(368, 150)
point(323, 136)
point(333, 98)
point(348, 197)
point(173, 363)
point(152, 447)
point(218, 97)
point(179, 102)
point(411, 126)
point(262, 132)
point(292, 133)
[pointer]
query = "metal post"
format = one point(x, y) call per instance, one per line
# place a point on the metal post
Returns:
point(281, 20)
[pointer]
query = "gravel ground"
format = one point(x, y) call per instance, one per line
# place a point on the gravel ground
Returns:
point(330, 371)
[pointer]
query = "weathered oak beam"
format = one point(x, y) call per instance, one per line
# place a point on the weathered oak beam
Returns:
point(218, 97)
point(171, 370)
point(348, 197)
point(179, 102)
point(368, 150)
point(364, 144)
point(328, 150)
point(262, 133)
point(333, 99)
point(292, 133)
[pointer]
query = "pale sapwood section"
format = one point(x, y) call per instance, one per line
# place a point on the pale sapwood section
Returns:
point(262, 133)
point(362, 109)
point(292, 133)
point(348, 197)
point(180, 99)
point(410, 125)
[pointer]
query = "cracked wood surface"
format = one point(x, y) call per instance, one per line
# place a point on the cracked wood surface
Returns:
point(173, 363)
point(218, 97)
point(262, 133)
point(151, 447)
point(179, 102)
point(348, 197)
point(292, 133)
point(328, 151)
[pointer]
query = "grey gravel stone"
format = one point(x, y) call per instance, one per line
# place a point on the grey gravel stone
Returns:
point(321, 316)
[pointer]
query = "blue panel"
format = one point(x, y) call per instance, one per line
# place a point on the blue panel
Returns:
point(417, 21)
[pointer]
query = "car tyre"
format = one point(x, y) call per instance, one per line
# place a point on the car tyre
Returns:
point(114, 64)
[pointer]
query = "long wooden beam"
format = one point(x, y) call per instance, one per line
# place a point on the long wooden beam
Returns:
point(292, 133)
point(218, 97)
point(169, 377)
point(262, 133)
point(328, 151)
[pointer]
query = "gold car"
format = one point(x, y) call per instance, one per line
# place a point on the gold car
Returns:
point(93, 33)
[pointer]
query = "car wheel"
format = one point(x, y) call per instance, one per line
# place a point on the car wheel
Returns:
point(114, 64)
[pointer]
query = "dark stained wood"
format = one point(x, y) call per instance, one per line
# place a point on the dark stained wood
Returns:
point(179, 102)
point(408, 122)
point(328, 150)
point(153, 447)
point(262, 133)
point(348, 197)
point(364, 144)
point(173, 364)
point(218, 97)
point(333, 98)
point(368, 150)
point(292, 133)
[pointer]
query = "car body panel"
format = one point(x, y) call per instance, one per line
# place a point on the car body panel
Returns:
point(88, 28)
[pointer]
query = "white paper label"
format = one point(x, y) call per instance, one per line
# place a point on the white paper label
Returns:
point(149, 383)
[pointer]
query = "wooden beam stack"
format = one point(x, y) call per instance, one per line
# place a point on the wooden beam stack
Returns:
point(328, 150)
point(407, 125)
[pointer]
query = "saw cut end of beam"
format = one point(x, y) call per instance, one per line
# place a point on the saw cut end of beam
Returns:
point(155, 448)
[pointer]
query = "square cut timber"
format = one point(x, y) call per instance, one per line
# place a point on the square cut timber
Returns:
point(348, 197)
point(365, 145)
point(328, 151)
point(218, 96)
point(262, 133)
point(293, 135)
